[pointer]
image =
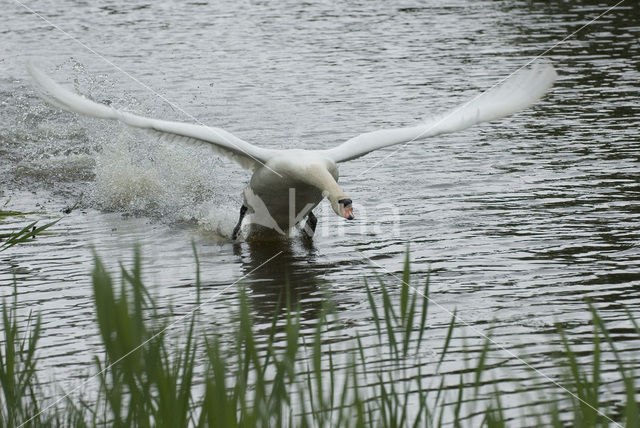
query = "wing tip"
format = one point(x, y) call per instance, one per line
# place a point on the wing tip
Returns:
point(36, 73)
point(544, 69)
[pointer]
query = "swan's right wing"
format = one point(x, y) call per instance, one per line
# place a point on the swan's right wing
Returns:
point(516, 93)
point(221, 141)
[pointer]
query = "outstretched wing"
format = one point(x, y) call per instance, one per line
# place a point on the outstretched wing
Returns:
point(517, 92)
point(221, 141)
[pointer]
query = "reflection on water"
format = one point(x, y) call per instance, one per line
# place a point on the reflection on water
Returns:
point(279, 266)
point(519, 221)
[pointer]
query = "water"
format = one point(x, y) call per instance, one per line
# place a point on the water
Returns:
point(518, 221)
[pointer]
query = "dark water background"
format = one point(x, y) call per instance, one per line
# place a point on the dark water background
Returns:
point(518, 221)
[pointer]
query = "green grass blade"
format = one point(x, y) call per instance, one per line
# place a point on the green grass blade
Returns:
point(447, 341)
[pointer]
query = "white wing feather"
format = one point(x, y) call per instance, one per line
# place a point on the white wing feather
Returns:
point(516, 93)
point(221, 141)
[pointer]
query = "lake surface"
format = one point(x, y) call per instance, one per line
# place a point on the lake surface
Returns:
point(518, 221)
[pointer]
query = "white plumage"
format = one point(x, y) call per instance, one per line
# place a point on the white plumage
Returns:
point(312, 174)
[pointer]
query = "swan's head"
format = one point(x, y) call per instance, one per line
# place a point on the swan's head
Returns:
point(342, 206)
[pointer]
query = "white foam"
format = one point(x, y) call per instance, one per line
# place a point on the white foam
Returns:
point(109, 166)
point(139, 174)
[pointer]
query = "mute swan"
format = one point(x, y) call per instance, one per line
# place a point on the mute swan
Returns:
point(287, 184)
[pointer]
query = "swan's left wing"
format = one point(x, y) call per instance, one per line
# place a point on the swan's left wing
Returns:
point(221, 141)
point(516, 93)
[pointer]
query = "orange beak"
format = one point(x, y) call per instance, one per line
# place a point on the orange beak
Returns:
point(347, 212)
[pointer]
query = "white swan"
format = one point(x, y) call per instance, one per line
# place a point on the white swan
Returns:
point(287, 184)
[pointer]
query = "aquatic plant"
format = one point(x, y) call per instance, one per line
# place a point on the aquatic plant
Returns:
point(18, 382)
point(28, 232)
point(241, 376)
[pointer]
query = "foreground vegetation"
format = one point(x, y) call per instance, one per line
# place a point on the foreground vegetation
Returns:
point(152, 375)
point(30, 231)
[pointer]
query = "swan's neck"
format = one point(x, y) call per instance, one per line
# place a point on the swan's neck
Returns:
point(322, 179)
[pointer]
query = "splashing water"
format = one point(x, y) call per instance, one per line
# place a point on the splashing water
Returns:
point(108, 166)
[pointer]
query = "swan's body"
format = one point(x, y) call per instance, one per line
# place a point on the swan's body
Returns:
point(287, 184)
point(290, 185)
